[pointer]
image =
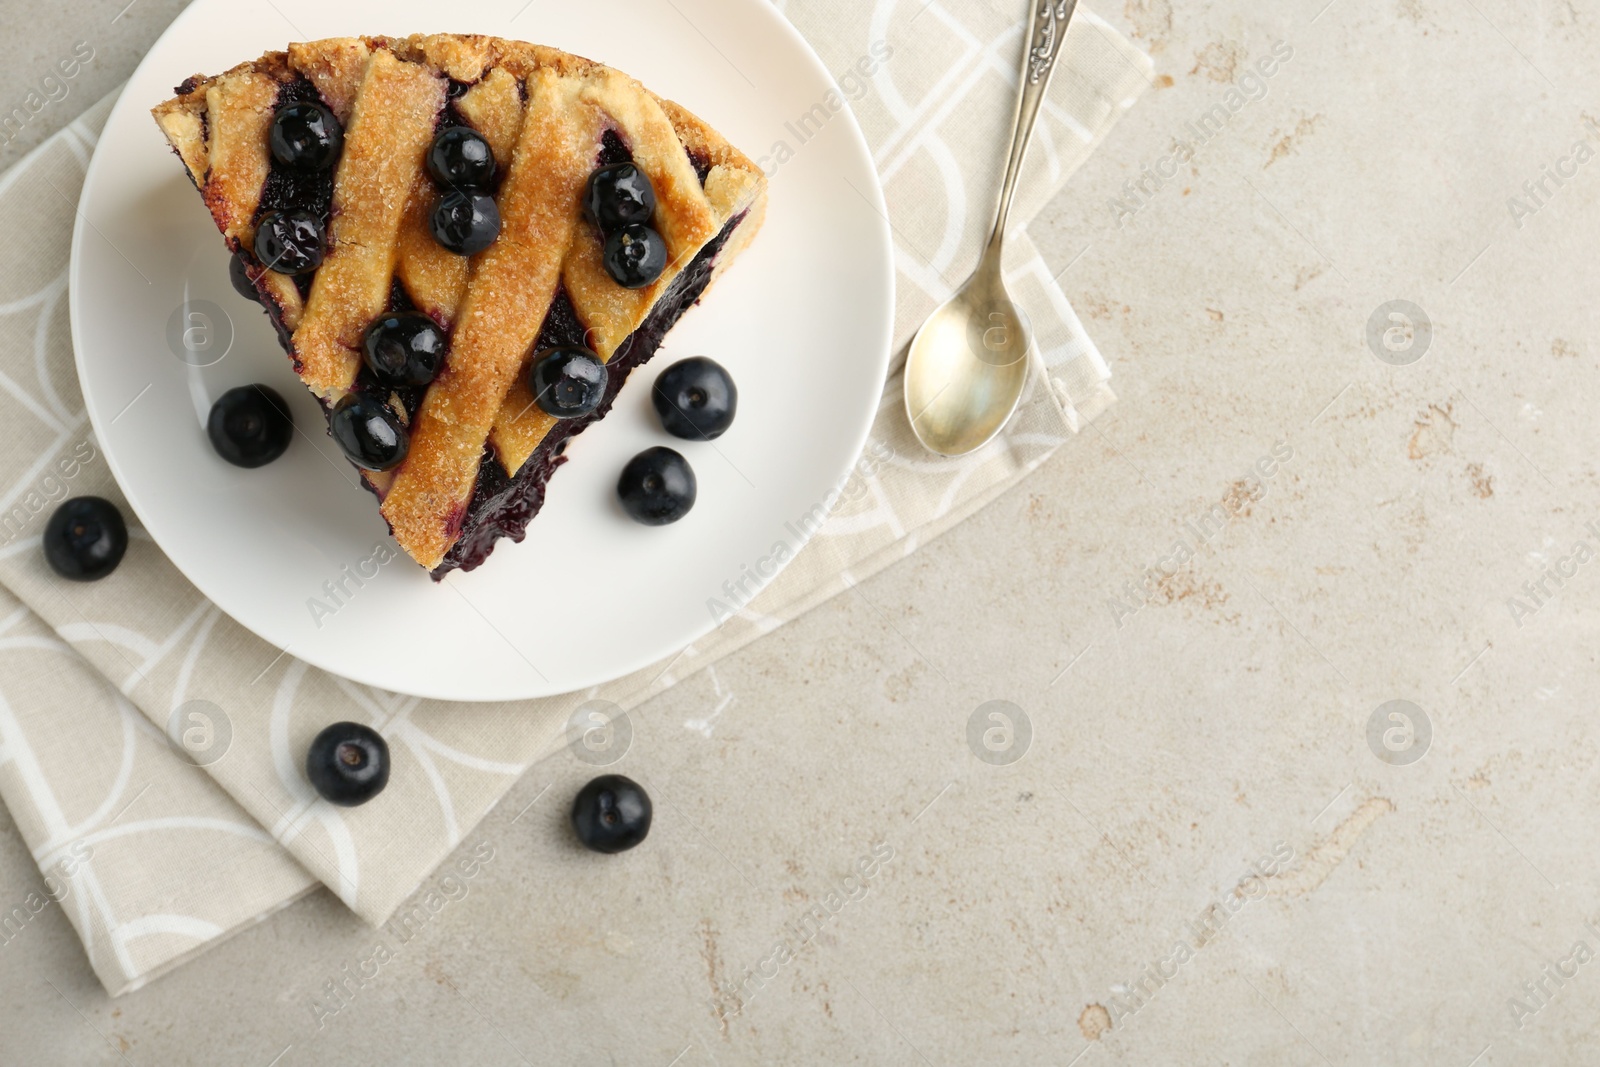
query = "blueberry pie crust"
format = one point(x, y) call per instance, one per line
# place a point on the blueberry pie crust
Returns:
point(439, 226)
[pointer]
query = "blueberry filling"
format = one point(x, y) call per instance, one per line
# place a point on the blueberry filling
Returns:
point(701, 164)
point(290, 187)
point(613, 150)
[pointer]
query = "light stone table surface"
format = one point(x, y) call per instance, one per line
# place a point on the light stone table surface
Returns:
point(1218, 846)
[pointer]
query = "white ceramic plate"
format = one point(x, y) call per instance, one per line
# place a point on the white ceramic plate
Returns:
point(803, 322)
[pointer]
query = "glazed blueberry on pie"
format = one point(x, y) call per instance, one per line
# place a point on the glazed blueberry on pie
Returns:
point(430, 221)
point(568, 383)
point(461, 156)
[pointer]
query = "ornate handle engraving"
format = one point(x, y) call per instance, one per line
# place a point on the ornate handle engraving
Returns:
point(1050, 23)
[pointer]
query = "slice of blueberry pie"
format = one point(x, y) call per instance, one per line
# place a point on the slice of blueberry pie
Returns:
point(466, 244)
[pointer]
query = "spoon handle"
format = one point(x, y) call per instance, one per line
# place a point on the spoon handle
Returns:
point(1047, 28)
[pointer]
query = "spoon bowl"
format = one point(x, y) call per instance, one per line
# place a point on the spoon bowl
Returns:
point(967, 366)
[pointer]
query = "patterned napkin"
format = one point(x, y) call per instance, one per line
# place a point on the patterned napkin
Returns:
point(150, 746)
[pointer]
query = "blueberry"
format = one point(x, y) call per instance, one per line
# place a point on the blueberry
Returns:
point(461, 158)
point(465, 222)
point(567, 382)
point(696, 399)
point(85, 539)
point(290, 242)
point(619, 195)
point(348, 764)
point(404, 349)
point(370, 434)
point(611, 814)
point(635, 256)
point(306, 137)
point(657, 487)
point(239, 274)
point(250, 426)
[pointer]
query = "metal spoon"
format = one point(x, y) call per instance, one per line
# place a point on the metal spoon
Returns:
point(968, 363)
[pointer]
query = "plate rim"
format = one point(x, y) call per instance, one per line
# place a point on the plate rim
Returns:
point(83, 229)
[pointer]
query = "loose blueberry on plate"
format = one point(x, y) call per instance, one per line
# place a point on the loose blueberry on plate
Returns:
point(348, 764)
point(461, 158)
point(465, 222)
point(635, 256)
point(696, 399)
point(306, 137)
point(290, 242)
point(619, 195)
point(657, 487)
point(85, 539)
point(369, 432)
point(404, 349)
point(239, 274)
point(250, 426)
point(611, 814)
point(567, 382)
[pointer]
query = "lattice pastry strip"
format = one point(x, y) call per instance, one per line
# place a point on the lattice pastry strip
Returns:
point(380, 165)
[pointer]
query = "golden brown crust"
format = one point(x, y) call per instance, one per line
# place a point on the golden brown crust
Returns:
point(496, 302)
point(282, 291)
point(754, 209)
point(434, 277)
point(702, 140)
point(182, 120)
point(335, 67)
point(239, 112)
point(493, 107)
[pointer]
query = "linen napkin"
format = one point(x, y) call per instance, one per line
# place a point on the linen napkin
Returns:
point(149, 745)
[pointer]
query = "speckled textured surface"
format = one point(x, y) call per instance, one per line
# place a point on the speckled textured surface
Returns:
point(1199, 858)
